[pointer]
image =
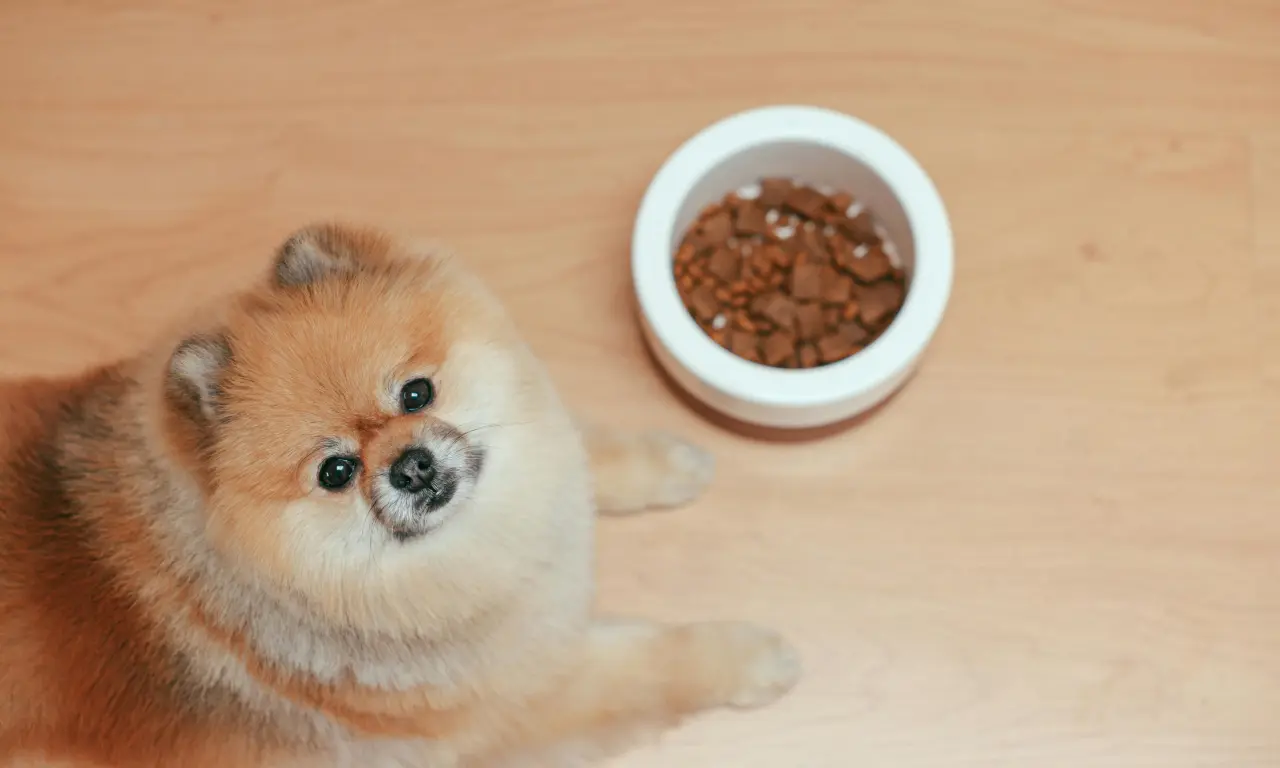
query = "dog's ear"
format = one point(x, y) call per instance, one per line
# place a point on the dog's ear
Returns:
point(321, 251)
point(195, 376)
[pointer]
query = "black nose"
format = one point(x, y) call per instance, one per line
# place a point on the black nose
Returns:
point(413, 471)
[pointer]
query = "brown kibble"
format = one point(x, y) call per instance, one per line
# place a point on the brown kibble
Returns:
point(780, 310)
point(793, 248)
point(871, 267)
point(725, 264)
point(853, 333)
point(815, 246)
point(807, 356)
point(840, 202)
point(745, 344)
point(880, 301)
point(806, 281)
point(774, 191)
point(828, 276)
point(779, 347)
point(809, 323)
point(806, 201)
point(762, 262)
point(703, 303)
point(861, 229)
point(834, 347)
point(750, 220)
point(778, 256)
point(718, 227)
point(839, 246)
point(832, 218)
point(796, 300)
point(838, 289)
point(844, 256)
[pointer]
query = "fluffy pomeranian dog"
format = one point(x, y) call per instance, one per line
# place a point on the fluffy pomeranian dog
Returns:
point(343, 519)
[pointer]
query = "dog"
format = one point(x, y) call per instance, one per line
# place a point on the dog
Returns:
point(341, 518)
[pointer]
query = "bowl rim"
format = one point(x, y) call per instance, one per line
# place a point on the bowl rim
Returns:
point(861, 374)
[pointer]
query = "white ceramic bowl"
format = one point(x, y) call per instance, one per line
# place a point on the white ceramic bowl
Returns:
point(821, 148)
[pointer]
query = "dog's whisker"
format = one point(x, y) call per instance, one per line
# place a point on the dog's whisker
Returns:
point(495, 425)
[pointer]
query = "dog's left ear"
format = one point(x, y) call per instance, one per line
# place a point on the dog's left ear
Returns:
point(195, 374)
point(322, 251)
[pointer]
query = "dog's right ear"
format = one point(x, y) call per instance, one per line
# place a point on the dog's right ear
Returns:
point(195, 376)
point(322, 251)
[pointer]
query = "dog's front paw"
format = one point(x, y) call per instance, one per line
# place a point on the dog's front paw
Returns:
point(681, 470)
point(747, 666)
point(770, 667)
point(635, 471)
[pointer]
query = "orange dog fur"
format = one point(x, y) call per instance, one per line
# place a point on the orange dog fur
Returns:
point(184, 581)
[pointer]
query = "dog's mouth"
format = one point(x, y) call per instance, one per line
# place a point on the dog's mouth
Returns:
point(408, 518)
point(403, 536)
point(440, 491)
point(410, 513)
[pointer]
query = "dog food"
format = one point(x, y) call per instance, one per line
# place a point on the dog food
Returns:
point(789, 276)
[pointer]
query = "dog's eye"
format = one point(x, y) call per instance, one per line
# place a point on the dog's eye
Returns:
point(337, 472)
point(417, 395)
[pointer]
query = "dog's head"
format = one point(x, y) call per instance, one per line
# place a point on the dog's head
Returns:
point(368, 424)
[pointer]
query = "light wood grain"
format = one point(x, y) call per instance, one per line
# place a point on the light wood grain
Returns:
point(1060, 547)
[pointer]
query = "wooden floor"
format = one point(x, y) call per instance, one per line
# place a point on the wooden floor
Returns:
point(1060, 547)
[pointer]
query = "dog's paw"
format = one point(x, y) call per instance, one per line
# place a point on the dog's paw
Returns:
point(681, 470)
point(635, 471)
point(770, 667)
point(749, 666)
